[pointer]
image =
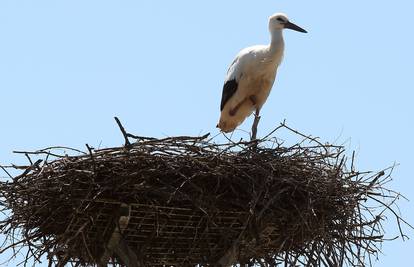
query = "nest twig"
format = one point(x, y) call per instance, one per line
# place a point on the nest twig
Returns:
point(191, 202)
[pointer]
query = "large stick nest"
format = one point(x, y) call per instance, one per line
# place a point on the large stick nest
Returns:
point(193, 201)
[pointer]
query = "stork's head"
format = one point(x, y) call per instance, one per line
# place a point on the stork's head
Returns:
point(280, 21)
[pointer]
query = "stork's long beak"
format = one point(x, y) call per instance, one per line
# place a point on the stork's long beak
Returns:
point(292, 26)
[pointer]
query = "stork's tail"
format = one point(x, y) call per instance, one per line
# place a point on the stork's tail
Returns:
point(226, 126)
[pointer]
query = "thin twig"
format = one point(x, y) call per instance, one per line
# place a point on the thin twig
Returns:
point(124, 133)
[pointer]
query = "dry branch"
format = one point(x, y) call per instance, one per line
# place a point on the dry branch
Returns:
point(192, 201)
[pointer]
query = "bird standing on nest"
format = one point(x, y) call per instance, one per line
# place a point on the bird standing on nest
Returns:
point(251, 75)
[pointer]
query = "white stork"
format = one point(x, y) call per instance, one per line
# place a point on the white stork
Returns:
point(251, 75)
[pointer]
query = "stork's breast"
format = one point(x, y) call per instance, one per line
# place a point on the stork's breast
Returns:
point(261, 83)
point(258, 81)
point(260, 88)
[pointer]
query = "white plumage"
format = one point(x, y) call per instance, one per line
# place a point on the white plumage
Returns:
point(251, 76)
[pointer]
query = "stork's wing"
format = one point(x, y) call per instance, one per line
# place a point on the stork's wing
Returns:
point(229, 89)
point(231, 81)
point(237, 69)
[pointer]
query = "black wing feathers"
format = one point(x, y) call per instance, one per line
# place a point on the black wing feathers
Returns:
point(229, 89)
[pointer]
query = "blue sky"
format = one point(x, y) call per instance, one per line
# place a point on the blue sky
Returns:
point(68, 67)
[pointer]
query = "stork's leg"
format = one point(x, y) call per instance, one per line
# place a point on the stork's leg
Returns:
point(255, 123)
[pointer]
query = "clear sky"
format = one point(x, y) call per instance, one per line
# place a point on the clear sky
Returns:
point(68, 67)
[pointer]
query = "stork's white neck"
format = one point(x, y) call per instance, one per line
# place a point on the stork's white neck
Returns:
point(276, 47)
point(277, 42)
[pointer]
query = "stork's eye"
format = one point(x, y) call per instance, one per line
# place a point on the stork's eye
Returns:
point(280, 19)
